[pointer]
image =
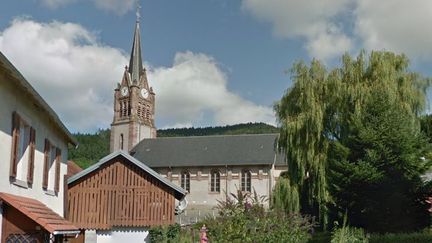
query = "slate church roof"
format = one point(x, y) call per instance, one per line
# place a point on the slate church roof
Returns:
point(251, 149)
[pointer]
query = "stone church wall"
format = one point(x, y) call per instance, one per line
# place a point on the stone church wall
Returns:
point(202, 202)
point(201, 196)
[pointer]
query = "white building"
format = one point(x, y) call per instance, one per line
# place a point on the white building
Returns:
point(33, 155)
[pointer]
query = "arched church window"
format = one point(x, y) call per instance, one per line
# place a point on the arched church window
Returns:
point(121, 141)
point(185, 180)
point(215, 181)
point(246, 180)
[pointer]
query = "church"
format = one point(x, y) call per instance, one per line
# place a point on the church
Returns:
point(209, 168)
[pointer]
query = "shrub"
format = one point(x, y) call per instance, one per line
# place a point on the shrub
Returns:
point(166, 234)
point(242, 218)
point(348, 234)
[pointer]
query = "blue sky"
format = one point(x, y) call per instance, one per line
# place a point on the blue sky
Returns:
point(211, 62)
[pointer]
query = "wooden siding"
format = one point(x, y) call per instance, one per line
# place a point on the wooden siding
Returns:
point(120, 194)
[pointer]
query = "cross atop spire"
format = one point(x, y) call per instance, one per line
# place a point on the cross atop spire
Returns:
point(135, 63)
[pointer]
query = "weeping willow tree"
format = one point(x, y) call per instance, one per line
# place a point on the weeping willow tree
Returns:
point(285, 198)
point(321, 107)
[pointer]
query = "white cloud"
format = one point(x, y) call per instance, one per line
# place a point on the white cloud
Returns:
point(396, 25)
point(329, 44)
point(314, 21)
point(76, 75)
point(119, 7)
point(332, 27)
point(195, 88)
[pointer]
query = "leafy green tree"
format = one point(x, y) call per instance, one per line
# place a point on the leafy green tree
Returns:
point(246, 128)
point(426, 126)
point(378, 177)
point(91, 148)
point(320, 113)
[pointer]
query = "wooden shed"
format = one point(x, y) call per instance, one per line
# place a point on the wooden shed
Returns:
point(120, 194)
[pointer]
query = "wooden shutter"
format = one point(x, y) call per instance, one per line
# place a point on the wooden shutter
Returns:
point(57, 170)
point(32, 146)
point(15, 144)
point(46, 164)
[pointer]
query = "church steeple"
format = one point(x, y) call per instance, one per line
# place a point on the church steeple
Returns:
point(135, 63)
point(134, 102)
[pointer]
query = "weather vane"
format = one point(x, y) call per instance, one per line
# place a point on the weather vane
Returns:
point(138, 15)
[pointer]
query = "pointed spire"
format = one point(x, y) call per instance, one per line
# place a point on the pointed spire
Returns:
point(135, 63)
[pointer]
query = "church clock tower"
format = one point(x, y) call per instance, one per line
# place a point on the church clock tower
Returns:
point(134, 103)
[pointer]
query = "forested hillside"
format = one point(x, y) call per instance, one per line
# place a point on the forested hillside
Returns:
point(247, 128)
point(93, 147)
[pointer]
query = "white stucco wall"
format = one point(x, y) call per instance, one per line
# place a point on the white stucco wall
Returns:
point(123, 235)
point(11, 99)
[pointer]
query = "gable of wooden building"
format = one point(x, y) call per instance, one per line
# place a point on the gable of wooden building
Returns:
point(120, 191)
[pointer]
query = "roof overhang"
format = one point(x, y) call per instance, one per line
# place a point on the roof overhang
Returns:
point(41, 214)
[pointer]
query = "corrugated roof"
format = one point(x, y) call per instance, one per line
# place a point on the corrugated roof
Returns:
point(24, 85)
point(179, 192)
point(40, 213)
point(251, 149)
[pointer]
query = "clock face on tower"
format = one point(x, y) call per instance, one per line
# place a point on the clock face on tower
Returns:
point(144, 93)
point(124, 91)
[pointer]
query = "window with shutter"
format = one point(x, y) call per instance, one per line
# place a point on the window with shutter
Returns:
point(51, 176)
point(51, 168)
point(57, 170)
point(46, 164)
point(15, 146)
point(32, 148)
point(22, 153)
